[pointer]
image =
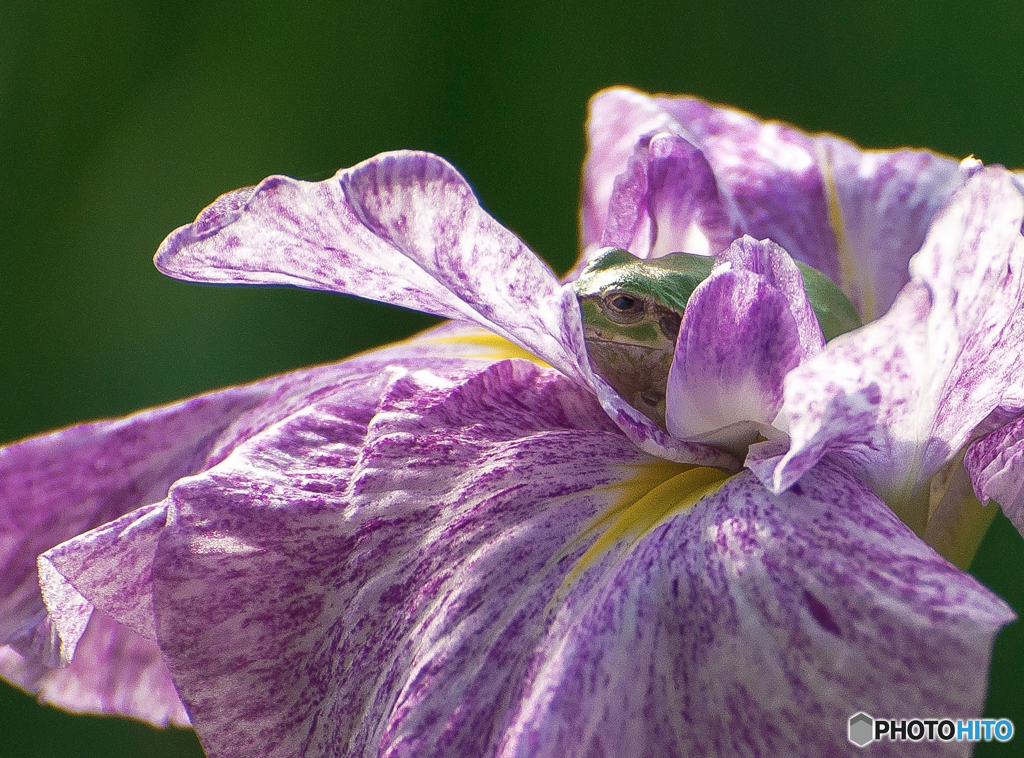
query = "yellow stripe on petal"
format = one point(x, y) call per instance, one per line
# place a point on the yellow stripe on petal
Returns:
point(860, 289)
point(492, 347)
point(658, 490)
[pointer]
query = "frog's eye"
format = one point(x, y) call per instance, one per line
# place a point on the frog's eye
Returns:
point(624, 303)
point(623, 307)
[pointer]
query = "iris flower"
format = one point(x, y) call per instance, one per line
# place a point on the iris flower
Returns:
point(468, 544)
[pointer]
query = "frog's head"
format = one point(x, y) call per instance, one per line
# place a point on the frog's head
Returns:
point(632, 309)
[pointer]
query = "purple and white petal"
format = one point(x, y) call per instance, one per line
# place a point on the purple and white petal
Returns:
point(59, 485)
point(771, 173)
point(90, 490)
point(382, 581)
point(757, 625)
point(667, 201)
point(776, 268)
point(435, 558)
point(94, 564)
point(767, 173)
point(1018, 178)
point(943, 358)
point(995, 464)
point(857, 216)
point(56, 486)
point(115, 671)
point(410, 583)
point(884, 202)
point(619, 118)
point(755, 306)
point(403, 228)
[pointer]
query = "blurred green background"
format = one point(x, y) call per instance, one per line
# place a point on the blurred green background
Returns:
point(121, 120)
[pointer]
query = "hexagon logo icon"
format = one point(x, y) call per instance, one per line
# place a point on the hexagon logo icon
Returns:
point(862, 728)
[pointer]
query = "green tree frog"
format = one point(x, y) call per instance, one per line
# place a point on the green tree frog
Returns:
point(632, 310)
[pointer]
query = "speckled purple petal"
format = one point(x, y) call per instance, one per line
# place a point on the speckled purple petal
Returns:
point(94, 564)
point(403, 228)
point(775, 267)
point(619, 118)
point(757, 625)
point(108, 665)
point(885, 202)
point(767, 172)
point(422, 207)
point(59, 485)
point(771, 173)
point(396, 585)
point(944, 357)
point(745, 327)
point(667, 201)
point(855, 215)
point(380, 581)
point(995, 464)
point(115, 671)
point(66, 486)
